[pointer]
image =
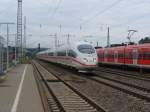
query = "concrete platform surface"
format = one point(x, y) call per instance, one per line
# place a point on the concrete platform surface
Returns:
point(19, 93)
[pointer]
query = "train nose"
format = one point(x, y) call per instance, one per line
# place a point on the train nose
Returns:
point(85, 59)
point(90, 60)
point(94, 59)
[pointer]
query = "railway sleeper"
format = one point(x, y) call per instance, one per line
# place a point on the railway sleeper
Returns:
point(132, 91)
point(63, 93)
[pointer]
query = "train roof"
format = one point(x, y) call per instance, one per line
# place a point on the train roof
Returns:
point(71, 45)
point(128, 46)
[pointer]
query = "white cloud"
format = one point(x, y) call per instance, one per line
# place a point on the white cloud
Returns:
point(71, 13)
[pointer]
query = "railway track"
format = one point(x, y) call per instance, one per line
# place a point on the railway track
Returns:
point(124, 74)
point(133, 90)
point(131, 93)
point(136, 91)
point(123, 82)
point(62, 97)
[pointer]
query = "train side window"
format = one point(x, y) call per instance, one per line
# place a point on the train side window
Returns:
point(100, 55)
point(126, 55)
point(71, 53)
point(112, 55)
point(86, 49)
point(109, 55)
point(120, 55)
point(140, 56)
point(146, 55)
point(105, 55)
point(130, 55)
point(50, 54)
point(61, 53)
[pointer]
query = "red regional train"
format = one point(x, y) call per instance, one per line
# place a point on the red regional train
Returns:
point(130, 55)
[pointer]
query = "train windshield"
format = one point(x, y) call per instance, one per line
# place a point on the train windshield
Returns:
point(86, 49)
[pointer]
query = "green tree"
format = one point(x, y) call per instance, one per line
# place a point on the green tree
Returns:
point(144, 40)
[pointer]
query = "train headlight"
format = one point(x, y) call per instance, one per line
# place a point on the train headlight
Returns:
point(94, 59)
point(85, 59)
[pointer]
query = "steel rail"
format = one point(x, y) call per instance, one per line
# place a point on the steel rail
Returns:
point(83, 96)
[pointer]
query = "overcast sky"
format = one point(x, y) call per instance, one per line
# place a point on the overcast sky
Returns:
point(79, 18)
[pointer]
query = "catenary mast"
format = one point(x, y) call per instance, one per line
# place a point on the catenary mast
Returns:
point(19, 32)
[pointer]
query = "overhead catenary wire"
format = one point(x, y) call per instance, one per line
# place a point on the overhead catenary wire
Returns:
point(101, 12)
point(129, 21)
point(134, 20)
point(49, 7)
point(106, 9)
point(56, 8)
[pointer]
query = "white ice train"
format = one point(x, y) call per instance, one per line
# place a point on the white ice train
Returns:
point(79, 55)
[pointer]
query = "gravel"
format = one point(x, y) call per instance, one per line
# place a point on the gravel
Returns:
point(111, 99)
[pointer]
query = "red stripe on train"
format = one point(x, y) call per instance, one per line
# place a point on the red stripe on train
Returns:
point(73, 59)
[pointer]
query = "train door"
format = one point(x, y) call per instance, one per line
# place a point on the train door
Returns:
point(105, 56)
point(116, 56)
point(135, 56)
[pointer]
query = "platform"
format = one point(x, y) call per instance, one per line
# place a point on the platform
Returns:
point(19, 93)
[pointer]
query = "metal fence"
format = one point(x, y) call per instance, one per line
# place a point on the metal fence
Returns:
point(2, 56)
point(11, 56)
